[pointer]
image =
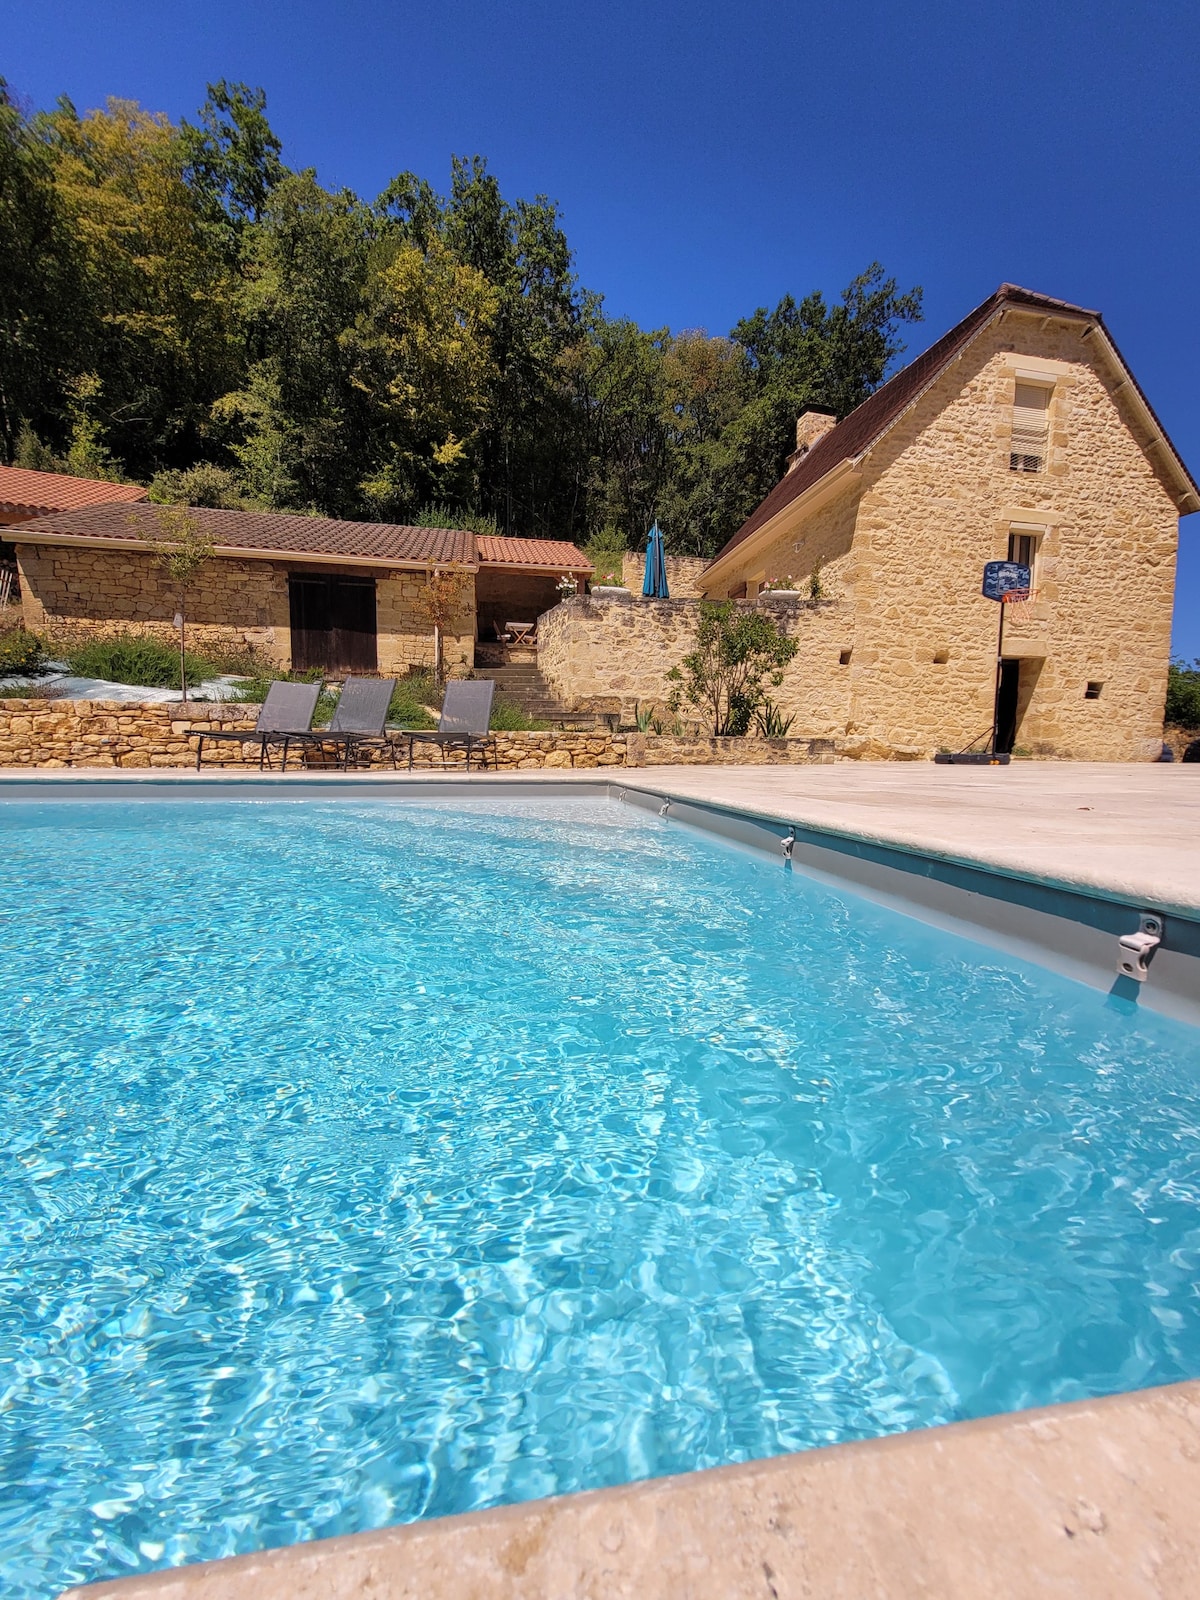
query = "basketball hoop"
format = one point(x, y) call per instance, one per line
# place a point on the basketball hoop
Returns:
point(1020, 603)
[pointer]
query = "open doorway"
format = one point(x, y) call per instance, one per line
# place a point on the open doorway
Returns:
point(1008, 705)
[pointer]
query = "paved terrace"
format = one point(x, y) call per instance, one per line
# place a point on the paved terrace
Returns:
point(1090, 1501)
point(1130, 831)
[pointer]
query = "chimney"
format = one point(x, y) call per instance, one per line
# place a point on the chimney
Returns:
point(812, 424)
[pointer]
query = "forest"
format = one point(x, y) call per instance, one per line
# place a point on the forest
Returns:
point(179, 307)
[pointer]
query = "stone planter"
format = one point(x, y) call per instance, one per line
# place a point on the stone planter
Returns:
point(609, 591)
point(781, 594)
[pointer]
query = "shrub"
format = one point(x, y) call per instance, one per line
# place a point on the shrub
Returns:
point(736, 651)
point(255, 689)
point(409, 699)
point(21, 652)
point(508, 717)
point(142, 660)
point(1183, 695)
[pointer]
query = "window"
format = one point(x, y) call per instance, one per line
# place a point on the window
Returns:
point(1092, 692)
point(1023, 547)
point(940, 657)
point(1030, 428)
point(844, 657)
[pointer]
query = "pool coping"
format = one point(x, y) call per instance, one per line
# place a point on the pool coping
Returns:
point(1089, 1500)
point(1066, 924)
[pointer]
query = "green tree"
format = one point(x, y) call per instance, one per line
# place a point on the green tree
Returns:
point(43, 321)
point(182, 549)
point(739, 650)
point(233, 157)
point(1183, 695)
point(424, 357)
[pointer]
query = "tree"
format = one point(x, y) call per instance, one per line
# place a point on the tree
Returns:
point(182, 549)
point(42, 312)
point(738, 649)
point(233, 157)
point(1183, 695)
point(424, 357)
point(440, 602)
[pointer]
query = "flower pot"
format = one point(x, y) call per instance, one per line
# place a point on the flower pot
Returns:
point(780, 594)
point(610, 591)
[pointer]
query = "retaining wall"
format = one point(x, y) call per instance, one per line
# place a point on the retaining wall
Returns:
point(105, 733)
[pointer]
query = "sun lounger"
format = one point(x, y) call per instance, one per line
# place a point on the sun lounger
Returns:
point(466, 713)
point(358, 720)
point(286, 716)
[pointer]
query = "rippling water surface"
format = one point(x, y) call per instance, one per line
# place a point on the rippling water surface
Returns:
point(365, 1162)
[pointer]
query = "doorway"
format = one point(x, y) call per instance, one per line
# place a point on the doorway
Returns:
point(1007, 698)
point(333, 623)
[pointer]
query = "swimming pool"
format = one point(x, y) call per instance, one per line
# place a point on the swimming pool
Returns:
point(373, 1161)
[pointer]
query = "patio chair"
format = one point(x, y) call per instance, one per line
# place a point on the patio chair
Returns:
point(466, 713)
point(286, 714)
point(358, 720)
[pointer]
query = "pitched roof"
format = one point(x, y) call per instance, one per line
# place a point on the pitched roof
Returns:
point(266, 533)
point(870, 420)
point(24, 493)
point(547, 553)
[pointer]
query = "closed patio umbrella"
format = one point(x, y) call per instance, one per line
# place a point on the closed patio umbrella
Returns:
point(655, 582)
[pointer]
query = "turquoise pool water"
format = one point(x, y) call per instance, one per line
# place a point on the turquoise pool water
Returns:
point(366, 1162)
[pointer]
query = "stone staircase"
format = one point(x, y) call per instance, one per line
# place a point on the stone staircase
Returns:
point(523, 684)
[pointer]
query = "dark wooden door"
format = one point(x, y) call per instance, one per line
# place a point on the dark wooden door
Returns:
point(333, 623)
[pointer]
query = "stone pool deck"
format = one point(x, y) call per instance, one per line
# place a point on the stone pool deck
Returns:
point(1094, 1500)
point(1129, 831)
point(1091, 1501)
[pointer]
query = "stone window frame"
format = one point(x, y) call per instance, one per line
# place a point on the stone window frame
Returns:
point(1034, 533)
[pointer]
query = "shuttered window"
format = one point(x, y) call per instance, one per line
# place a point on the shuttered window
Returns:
point(1030, 429)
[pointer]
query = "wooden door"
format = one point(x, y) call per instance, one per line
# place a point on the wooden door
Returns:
point(333, 623)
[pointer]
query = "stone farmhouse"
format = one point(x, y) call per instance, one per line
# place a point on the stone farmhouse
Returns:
point(303, 592)
point(1021, 434)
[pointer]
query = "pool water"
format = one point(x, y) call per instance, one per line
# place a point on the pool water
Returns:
point(366, 1162)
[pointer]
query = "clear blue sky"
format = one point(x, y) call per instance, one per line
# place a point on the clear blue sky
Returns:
point(710, 157)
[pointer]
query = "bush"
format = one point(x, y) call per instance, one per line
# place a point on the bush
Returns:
point(146, 662)
point(1183, 695)
point(736, 652)
point(409, 699)
point(508, 717)
point(257, 686)
point(21, 652)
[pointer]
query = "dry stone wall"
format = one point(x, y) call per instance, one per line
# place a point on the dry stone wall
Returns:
point(41, 734)
point(594, 650)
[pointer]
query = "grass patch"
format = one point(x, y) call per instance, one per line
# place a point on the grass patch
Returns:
point(508, 717)
point(255, 689)
point(146, 663)
point(409, 699)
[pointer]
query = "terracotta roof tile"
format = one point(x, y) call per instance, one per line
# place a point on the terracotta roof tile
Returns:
point(876, 414)
point(554, 553)
point(272, 533)
point(24, 493)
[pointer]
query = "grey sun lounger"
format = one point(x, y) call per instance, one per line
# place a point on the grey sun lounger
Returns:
point(359, 719)
point(286, 716)
point(466, 713)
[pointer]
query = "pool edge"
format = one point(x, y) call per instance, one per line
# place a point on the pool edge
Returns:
point(1088, 1500)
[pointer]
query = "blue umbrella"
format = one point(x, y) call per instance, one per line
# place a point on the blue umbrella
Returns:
point(655, 582)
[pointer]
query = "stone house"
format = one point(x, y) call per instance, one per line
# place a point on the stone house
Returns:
point(302, 592)
point(1021, 434)
point(25, 495)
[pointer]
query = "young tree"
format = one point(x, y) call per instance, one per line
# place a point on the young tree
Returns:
point(182, 549)
point(440, 603)
point(737, 650)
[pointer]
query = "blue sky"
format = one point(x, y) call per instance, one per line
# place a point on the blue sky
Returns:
point(711, 157)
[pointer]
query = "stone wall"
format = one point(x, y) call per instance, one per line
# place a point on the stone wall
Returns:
point(936, 499)
point(70, 592)
point(683, 574)
point(592, 650)
point(37, 734)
